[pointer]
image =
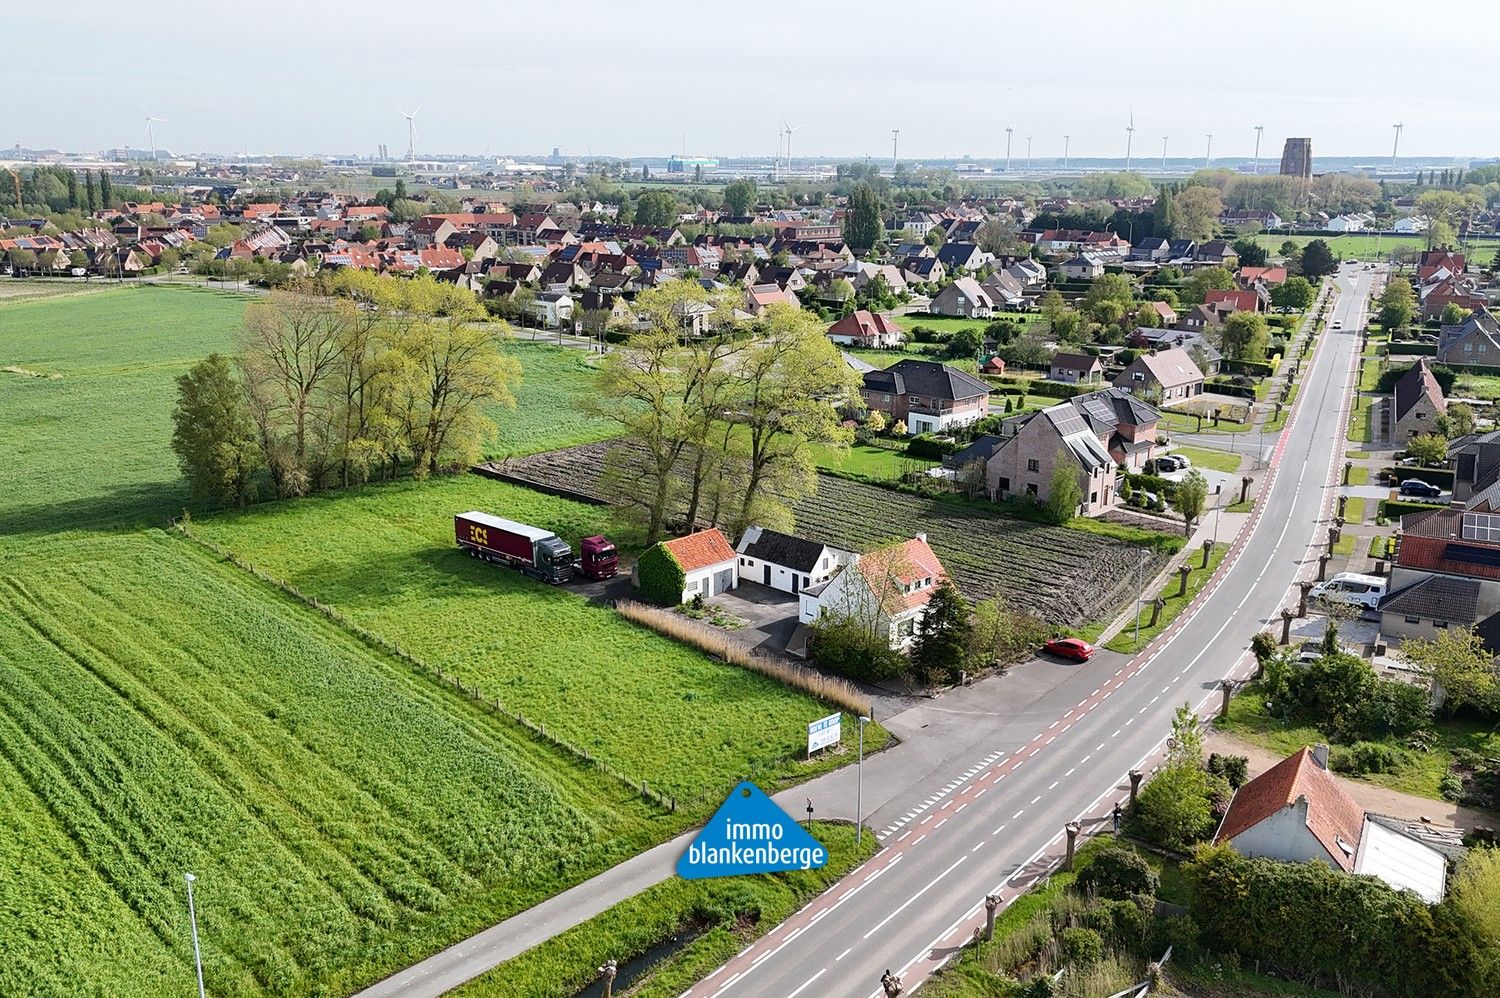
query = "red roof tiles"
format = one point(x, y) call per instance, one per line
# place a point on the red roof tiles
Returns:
point(700, 550)
point(1332, 815)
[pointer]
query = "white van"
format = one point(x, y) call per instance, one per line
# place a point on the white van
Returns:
point(1351, 587)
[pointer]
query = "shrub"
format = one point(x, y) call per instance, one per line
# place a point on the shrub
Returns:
point(1367, 757)
point(1182, 934)
point(1393, 708)
point(1175, 809)
point(660, 576)
point(1451, 787)
point(1235, 769)
point(850, 650)
point(1082, 947)
point(929, 448)
point(1119, 871)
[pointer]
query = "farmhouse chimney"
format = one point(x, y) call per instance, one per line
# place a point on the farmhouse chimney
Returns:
point(1320, 755)
point(922, 537)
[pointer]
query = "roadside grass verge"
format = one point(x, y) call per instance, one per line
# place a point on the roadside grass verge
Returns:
point(1174, 604)
point(1217, 460)
point(1359, 475)
point(1354, 509)
point(724, 914)
point(1360, 429)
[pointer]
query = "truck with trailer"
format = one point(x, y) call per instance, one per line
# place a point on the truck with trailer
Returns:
point(538, 553)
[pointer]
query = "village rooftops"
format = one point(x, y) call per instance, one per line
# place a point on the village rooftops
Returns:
point(926, 378)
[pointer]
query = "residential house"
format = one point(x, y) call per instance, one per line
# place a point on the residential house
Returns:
point(1204, 354)
point(1152, 249)
point(431, 230)
point(923, 270)
point(1433, 263)
point(867, 272)
point(1235, 300)
point(708, 563)
point(1004, 290)
point(1092, 434)
point(1182, 250)
point(762, 296)
point(1416, 402)
point(963, 299)
point(1447, 571)
point(787, 563)
point(1167, 376)
point(1165, 312)
point(1353, 222)
point(1030, 273)
point(1249, 277)
point(1216, 253)
point(1411, 225)
point(963, 256)
point(1076, 368)
point(560, 276)
point(1232, 218)
point(865, 329)
point(1082, 267)
point(552, 309)
point(925, 395)
point(1297, 812)
point(1475, 342)
point(888, 590)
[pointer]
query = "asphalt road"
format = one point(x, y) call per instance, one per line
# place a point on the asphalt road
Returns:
point(989, 816)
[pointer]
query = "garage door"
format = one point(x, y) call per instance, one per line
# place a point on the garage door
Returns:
point(723, 581)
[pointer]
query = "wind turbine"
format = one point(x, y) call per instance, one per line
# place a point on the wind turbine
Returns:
point(895, 157)
point(1396, 144)
point(789, 130)
point(150, 136)
point(1164, 152)
point(1129, 138)
point(1066, 140)
point(1208, 152)
point(1028, 154)
point(1008, 130)
point(1258, 130)
point(411, 131)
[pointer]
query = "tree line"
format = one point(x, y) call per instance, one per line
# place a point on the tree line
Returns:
point(337, 383)
point(719, 416)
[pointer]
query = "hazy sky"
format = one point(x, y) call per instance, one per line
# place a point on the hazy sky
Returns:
point(629, 77)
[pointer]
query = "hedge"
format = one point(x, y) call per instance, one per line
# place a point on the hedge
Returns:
point(660, 576)
point(1229, 388)
point(1252, 368)
point(1386, 384)
point(1046, 389)
point(1393, 509)
point(930, 448)
point(1441, 477)
point(1411, 348)
point(1309, 921)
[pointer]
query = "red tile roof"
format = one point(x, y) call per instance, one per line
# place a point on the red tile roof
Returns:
point(864, 324)
point(700, 550)
point(909, 563)
point(1242, 301)
point(1332, 815)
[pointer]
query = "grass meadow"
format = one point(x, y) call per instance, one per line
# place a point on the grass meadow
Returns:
point(163, 711)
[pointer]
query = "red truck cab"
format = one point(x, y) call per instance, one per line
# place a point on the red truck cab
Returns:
point(598, 558)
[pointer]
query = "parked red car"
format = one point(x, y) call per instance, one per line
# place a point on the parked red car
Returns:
point(1076, 649)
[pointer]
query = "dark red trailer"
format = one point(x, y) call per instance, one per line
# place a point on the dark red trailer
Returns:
point(537, 552)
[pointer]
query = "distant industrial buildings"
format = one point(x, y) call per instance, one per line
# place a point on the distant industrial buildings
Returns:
point(687, 164)
point(1296, 158)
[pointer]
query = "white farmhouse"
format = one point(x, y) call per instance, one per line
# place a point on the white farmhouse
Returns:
point(782, 561)
point(887, 589)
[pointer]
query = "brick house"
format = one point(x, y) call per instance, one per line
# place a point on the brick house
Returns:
point(1416, 402)
point(927, 396)
point(1165, 376)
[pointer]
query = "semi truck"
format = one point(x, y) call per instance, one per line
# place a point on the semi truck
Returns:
point(539, 553)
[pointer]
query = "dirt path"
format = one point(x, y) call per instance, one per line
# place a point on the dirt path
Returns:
point(1370, 797)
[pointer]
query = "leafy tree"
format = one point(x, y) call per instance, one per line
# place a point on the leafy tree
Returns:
point(213, 435)
point(1429, 448)
point(999, 634)
point(1120, 872)
point(1196, 287)
point(1398, 304)
point(1114, 288)
point(1458, 421)
point(1250, 252)
point(1192, 497)
point(1317, 259)
point(1245, 335)
point(935, 237)
point(862, 221)
point(72, 189)
point(739, 195)
point(1474, 891)
point(1175, 808)
point(1295, 292)
point(1187, 738)
point(656, 208)
point(1454, 313)
point(942, 633)
point(1458, 661)
point(1064, 494)
point(1146, 317)
point(967, 342)
point(998, 235)
point(1197, 209)
point(90, 192)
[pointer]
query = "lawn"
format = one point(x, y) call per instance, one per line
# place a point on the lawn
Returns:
point(736, 911)
point(1248, 719)
point(1359, 475)
point(1184, 422)
point(1360, 430)
point(868, 461)
point(1369, 373)
point(1359, 247)
point(1354, 510)
point(1126, 641)
point(1484, 386)
point(163, 712)
point(385, 557)
point(1216, 460)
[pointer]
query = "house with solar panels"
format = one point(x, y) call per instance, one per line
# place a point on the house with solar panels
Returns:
point(1447, 571)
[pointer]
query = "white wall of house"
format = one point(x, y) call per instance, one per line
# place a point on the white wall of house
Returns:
point(711, 580)
point(785, 579)
point(1283, 836)
point(847, 595)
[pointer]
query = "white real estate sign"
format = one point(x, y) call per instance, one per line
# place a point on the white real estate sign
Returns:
point(824, 732)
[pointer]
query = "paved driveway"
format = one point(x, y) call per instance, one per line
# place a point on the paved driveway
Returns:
point(771, 613)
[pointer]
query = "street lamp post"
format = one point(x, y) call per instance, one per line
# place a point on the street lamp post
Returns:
point(859, 782)
point(1140, 594)
point(193, 918)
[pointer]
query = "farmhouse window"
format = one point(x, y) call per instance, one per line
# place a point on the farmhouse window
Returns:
point(1032, 464)
point(1413, 620)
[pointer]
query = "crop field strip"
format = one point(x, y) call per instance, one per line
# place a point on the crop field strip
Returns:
point(1064, 576)
point(328, 799)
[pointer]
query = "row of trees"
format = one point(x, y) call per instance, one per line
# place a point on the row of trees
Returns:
point(718, 418)
point(334, 384)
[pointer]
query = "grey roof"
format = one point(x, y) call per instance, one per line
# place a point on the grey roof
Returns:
point(926, 377)
point(1107, 409)
point(1075, 361)
point(982, 449)
point(1440, 597)
point(795, 553)
point(855, 364)
point(1416, 384)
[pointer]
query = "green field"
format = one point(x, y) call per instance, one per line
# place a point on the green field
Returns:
point(163, 711)
point(1360, 246)
point(868, 461)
